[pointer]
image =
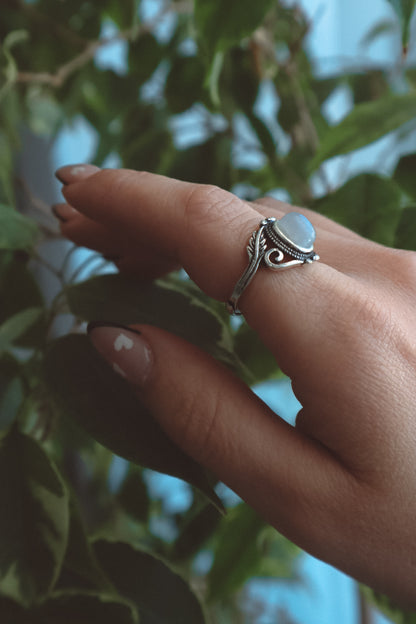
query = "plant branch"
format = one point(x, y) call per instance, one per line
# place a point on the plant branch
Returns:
point(58, 78)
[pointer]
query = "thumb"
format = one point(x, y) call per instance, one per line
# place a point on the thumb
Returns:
point(292, 481)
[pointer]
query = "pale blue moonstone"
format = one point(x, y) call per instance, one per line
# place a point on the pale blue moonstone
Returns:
point(297, 229)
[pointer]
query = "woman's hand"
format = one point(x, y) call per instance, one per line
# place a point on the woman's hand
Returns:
point(342, 483)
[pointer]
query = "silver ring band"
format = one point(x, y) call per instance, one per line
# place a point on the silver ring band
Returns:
point(279, 244)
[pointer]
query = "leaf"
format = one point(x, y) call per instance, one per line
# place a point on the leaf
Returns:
point(405, 174)
point(70, 607)
point(255, 355)
point(243, 550)
point(368, 204)
point(165, 304)
point(11, 399)
point(184, 84)
point(18, 324)
point(145, 54)
point(19, 291)
point(106, 406)
point(367, 123)
point(122, 13)
point(380, 28)
point(134, 498)
point(16, 231)
point(388, 607)
point(33, 521)
point(221, 27)
point(406, 230)
point(80, 568)
point(404, 11)
point(161, 595)
point(85, 608)
point(195, 533)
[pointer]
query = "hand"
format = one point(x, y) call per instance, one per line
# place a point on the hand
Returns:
point(342, 483)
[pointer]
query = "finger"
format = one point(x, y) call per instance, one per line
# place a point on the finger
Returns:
point(113, 245)
point(217, 420)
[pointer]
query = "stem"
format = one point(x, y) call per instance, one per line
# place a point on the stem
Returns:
point(58, 78)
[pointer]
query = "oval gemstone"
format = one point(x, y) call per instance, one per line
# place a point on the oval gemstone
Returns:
point(297, 229)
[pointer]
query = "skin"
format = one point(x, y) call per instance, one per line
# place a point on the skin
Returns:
point(342, 483)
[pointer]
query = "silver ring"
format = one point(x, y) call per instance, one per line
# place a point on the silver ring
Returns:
point(279, 244)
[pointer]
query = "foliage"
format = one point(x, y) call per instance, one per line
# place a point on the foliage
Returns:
point(63, 411)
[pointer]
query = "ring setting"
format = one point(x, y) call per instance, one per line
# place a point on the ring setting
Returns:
point(279, 244)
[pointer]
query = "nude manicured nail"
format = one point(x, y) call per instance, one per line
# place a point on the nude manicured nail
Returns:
point(124, 349)
point(74, 173)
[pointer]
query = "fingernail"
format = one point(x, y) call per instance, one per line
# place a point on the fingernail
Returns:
point(74, 173)
point(63, 212)
point(124, 349)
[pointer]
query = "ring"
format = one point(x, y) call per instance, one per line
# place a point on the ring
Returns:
point(279, 244)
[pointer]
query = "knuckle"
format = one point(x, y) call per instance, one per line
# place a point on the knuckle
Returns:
point(366, 316)
point(405, 266)
point(206, 204)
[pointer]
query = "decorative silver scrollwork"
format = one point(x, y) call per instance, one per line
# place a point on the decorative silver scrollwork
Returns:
point(273, 258)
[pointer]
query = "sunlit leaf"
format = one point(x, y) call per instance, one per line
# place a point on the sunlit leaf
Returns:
point(247, 547)
point(369, 204)
point(367, 123)
point(16, 231)
point(18, 324)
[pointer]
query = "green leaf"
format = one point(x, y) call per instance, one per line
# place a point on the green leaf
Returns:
point(184, 84)
point(16, 231)
point(11, 399)
point(405, 174)
point(145, 54)
point(255, 355)
point(220, 28)
point(19, 291)
point(134, 498)
point(195, 533)
point(388, 607)
point(166, 304)
point(160, 594)
point(368, 204)
point(367, 123)
point(406, 230)
point(18, 324)
point(124, 13)
point(106, 406)
point(85, 608)
point(70, 607)
point(80, 568)
point(380, 28)
point(34, 519)
point(404, 10)
point(246, 546)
